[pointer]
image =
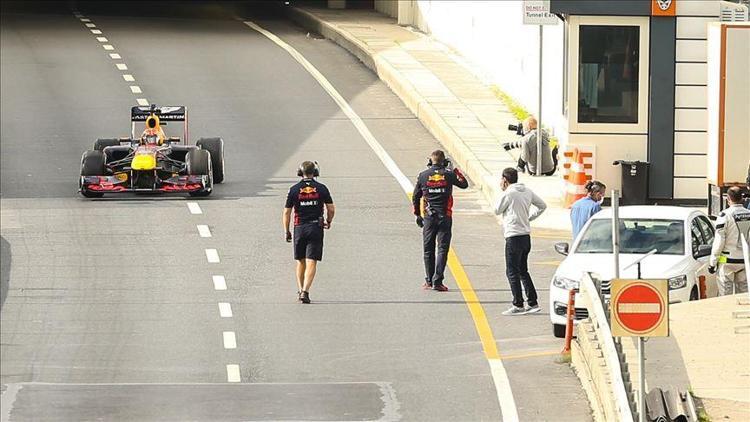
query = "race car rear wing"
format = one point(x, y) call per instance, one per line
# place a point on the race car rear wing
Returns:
point(166, 114)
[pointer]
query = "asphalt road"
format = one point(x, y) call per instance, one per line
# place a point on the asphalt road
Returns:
point(110, 309)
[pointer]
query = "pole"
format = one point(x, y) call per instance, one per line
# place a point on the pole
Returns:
point(641, 380)
point(615, 230)
point(539, 117)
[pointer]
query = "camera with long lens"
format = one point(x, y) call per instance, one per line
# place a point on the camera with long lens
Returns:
point(517, 128)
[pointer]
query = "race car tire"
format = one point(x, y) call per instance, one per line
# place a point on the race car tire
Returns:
point(198, 163)
point(100, 144)
point(216, 147)
point(92, 164)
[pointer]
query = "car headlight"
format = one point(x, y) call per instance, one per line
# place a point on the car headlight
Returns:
point(677, 282)
point(564, 283)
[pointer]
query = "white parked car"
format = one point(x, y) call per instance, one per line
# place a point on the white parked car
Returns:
point(681, 236)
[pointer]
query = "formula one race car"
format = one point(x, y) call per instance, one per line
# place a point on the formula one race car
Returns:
point(153, 162)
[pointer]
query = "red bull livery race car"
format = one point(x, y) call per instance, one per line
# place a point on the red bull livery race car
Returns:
point(153, 162)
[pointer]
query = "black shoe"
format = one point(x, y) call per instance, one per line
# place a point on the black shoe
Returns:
point(305, 297)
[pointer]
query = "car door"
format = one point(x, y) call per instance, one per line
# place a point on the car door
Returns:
point(701, 236)
point(708, 231)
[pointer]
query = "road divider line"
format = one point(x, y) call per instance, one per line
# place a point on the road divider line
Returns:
point(128, 78)
point(193, 206)
point(102, 39)
point(203, 230)
point(230, 340)
point(121, 66)
point(220, 283)
point(212, 255)
point(225, 310)
point(135, 89)
point(96, 31)
point(233, 373)
point(90, 25)
point(85, 19)
point(497, 370)
point(115, 56)
point(144, 102)
point(108, 47)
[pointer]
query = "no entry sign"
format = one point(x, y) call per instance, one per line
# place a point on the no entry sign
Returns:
point(639, 308)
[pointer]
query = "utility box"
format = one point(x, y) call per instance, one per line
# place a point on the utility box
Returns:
point(728, 110)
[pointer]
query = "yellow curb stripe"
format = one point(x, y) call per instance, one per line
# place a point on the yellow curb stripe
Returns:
point(475, 307)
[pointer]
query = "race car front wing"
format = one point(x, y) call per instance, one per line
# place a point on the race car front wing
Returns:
point(114, 184)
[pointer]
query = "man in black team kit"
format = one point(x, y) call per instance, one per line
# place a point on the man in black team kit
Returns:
point(307, 198)
point(433, 206)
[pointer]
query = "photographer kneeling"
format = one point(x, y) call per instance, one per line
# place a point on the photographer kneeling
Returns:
point(528, 145)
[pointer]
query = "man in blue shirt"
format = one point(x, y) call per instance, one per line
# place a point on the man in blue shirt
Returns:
point(587, 206)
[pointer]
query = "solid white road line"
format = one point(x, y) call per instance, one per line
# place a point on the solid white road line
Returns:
point(499, 376)
point(144, 102)
point(108, 47)
point(225, 310)
point(135, 89)
point(114, 56)
point(121, 66)
point(233, 373)
point(90, 25)
point(102, 39)
point(128, 78)
point(193, 206)
point(345, 107)
point(96, 31)
point(230, 340)
point(219, 282)
point(203, 230)
point(213, 256)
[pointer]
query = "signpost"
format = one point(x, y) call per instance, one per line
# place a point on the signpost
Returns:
point(537, 12)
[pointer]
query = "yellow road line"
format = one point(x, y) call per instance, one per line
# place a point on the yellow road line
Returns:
point(475, 307)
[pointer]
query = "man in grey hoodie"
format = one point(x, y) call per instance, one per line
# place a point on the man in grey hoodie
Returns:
point(515, 207)
point(528, 145)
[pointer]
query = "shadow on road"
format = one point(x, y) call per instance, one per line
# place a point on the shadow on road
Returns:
point(4, 270)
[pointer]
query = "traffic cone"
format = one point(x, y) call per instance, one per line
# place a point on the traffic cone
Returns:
point(575, 185)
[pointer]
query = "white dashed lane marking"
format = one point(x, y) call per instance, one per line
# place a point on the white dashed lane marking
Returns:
point(85, 20)
point(225, 310)
point(96, 31)
point(233, 373)
point(102, 39)
point(90, 25)
point(230, 340)
point(194, 208)
point(128, 78)
point(108, 47)
point(219, 282)
point(114, 56)
point(135, 89)
point(203, 230)
point(212, 255)
point(121, 66)
point(143, 102)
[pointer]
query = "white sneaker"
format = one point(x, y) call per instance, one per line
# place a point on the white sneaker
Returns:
point(514, 310)
point(533, 309)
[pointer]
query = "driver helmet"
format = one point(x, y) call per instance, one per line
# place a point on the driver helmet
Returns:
point(151, 134)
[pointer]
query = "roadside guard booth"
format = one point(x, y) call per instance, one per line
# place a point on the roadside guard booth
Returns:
point(636, 77)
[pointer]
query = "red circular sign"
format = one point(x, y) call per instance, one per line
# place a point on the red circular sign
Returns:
point(639, 308)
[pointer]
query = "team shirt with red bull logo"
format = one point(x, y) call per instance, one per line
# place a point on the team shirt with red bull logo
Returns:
point(308, 198)
point(433, 193)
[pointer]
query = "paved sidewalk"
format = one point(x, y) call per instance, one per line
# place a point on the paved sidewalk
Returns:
point(452, 103)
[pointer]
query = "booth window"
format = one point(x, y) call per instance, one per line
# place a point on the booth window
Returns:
point(608, 74)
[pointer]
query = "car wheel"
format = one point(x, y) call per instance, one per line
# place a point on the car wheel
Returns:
point(198, 163)
point(92, 164)
point(558, 330)
point(100, 144)
point(216, 147)
point(694, 293)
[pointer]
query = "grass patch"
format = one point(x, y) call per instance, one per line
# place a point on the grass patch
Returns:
point(514, 107)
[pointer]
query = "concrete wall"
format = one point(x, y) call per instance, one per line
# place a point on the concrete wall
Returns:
point(504, 52)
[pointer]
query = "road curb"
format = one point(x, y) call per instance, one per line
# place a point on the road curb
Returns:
point(482, 178)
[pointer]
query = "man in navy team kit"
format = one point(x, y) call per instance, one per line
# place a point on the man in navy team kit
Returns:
point(308, 198)
point(433, 206)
